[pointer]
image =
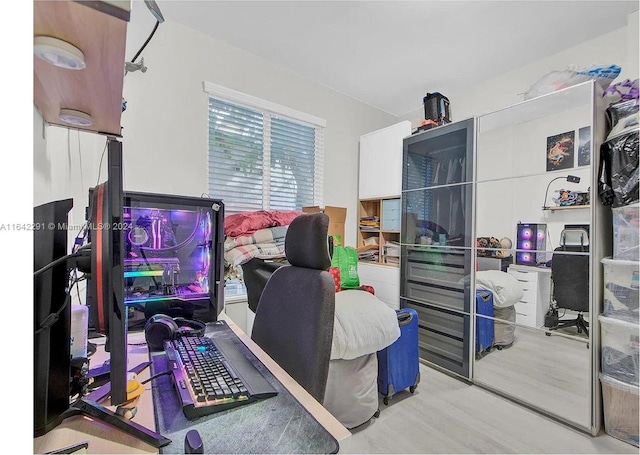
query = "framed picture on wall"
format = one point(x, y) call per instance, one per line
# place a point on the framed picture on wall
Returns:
point(560, 151)
point(584, 146)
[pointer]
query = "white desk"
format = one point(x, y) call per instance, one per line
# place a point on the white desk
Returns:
point(106, 439)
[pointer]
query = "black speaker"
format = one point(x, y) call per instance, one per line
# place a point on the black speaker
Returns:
point(531, 240)
point(161, 327)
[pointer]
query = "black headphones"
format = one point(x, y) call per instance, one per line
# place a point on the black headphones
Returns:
point(161, 327)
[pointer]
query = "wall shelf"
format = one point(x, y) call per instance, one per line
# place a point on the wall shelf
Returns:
point(566, 207)
point(99, 30)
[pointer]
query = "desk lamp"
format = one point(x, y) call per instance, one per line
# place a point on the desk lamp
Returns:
point(132, 66)
point(569, 178)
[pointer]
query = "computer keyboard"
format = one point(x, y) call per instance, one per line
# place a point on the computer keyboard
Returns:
point(212, 375)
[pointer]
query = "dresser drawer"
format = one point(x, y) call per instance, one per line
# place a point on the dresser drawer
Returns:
point(390, 219)
point(437, 256)
point(524, 276)
point(442, 274)
point(530, 296)
point(525, 319)
point(447, 298)
point(525, 308)
point(441, 336)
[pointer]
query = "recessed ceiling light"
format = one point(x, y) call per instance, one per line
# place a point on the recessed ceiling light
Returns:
point(58, 52)
point(74, 117)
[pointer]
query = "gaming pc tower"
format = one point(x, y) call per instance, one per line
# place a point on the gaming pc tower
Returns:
point(173, 258)
point(531, 242)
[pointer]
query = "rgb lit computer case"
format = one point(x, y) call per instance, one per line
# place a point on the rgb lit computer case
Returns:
point(531, 241)
point(173, 257)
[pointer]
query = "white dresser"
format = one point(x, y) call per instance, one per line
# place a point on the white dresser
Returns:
point(536, 283)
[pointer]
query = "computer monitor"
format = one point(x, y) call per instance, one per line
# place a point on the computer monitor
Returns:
point(52, 350)
point(106, 284)
point(52, 304)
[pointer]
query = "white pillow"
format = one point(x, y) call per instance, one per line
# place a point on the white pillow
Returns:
point(505, 287)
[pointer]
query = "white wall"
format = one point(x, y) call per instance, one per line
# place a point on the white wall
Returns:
point(165, 124)
point(619, 47)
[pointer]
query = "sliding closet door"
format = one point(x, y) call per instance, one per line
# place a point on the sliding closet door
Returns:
point(436, 241)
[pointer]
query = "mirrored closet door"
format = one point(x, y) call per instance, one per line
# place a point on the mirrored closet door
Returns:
point(539, 228)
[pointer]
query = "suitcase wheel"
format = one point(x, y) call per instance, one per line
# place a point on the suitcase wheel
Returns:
point(377, 414)
point(499, 348)
point(412, 388)
point(386, 400)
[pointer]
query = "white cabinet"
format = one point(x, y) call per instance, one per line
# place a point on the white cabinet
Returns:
point(380, 171)
point(385, 281)
point(534, 304)
point(380, 185)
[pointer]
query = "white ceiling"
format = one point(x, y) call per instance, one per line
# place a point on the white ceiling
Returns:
point(389, 54)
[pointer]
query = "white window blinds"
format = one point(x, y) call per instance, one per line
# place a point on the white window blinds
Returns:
point(260, 159)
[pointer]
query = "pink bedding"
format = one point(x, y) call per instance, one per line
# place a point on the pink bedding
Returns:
point(248, 222)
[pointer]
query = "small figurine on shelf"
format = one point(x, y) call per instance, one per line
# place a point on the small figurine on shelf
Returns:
point(565, 197)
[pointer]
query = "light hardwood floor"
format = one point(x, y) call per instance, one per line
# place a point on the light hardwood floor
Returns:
point(548, 372)
point(446, 415)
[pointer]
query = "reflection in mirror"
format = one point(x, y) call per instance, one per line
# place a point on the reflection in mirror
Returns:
point(534, 177)
point(548, 372)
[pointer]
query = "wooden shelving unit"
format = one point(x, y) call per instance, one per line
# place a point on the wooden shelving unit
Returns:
point(379, 231)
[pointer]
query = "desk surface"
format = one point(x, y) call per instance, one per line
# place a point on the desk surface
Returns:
point(105, 439)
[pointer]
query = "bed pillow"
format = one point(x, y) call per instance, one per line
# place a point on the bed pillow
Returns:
point(363, 325)
point(505, 287)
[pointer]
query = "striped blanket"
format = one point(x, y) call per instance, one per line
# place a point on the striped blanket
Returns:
point(263, 243)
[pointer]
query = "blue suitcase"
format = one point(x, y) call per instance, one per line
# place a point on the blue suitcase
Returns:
point(398, 364)
point(484, 326)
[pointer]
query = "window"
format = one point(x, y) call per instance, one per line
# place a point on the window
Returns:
point(262, 156)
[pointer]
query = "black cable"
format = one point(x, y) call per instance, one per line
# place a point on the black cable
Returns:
point(56, 262)
point(146, 42)
point(156, 376)
point(100, 167)
point(53, 317)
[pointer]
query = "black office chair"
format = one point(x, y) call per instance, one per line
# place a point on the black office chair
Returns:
point(570, 278)
point(295, 316)
point(255, 274)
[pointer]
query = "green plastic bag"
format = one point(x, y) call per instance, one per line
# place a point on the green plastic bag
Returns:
point(346, 259)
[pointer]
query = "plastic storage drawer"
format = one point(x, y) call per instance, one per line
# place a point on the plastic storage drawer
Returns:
point(620, 403)
point(620, 348)
point(626, 241)
point(621, 284)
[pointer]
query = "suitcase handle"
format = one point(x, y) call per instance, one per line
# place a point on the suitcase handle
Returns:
point(404, 318)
